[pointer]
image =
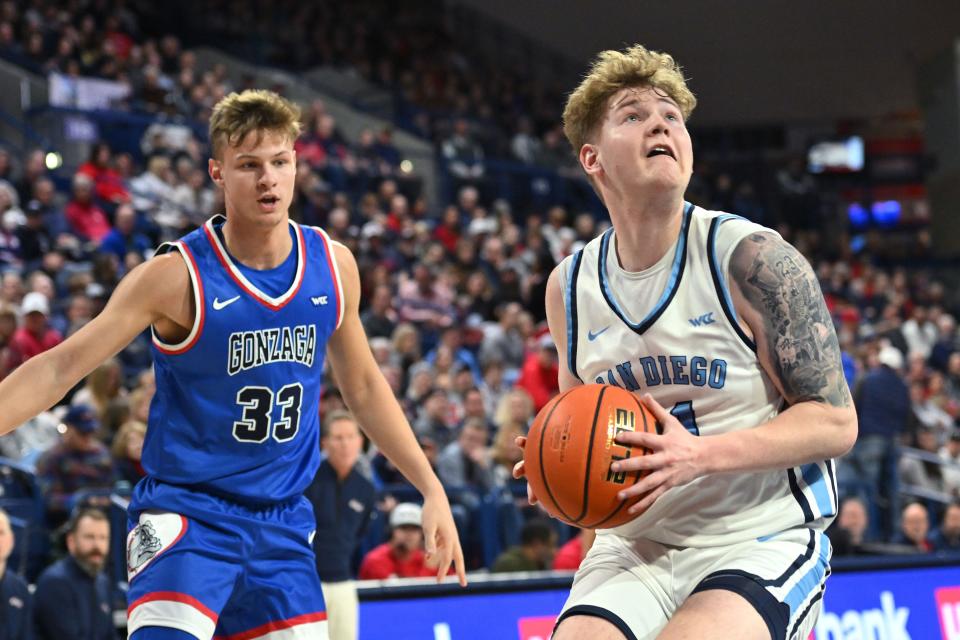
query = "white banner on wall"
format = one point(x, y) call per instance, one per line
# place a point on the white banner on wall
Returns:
point(85, 93)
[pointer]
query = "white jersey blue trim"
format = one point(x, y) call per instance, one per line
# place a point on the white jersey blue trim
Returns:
point(676, 273)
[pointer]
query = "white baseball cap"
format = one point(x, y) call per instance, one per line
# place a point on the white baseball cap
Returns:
point(891, 356)
point(35, 302)
point(406, 514)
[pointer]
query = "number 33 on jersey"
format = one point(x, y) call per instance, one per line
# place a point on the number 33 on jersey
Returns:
point(242, 389)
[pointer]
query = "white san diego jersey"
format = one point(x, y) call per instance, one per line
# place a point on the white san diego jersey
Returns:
point(672, 331)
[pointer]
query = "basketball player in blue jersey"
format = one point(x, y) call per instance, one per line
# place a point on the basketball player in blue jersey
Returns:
point(243, 312)
point(720, 328)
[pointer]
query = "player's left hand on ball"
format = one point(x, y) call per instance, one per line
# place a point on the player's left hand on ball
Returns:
point(674, 458)
point(441, 542)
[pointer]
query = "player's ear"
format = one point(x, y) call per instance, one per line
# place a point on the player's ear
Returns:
point(590, 159)
point(215, 169)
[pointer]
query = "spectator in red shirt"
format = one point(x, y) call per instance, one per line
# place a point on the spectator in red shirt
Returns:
point(108, 184)
point(35, 336)
point(447, 232)
point(538, 377)
point(86, 219)
point(572, 553)
point(402, 555)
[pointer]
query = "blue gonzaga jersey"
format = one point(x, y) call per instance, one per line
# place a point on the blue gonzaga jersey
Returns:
point(235, 411)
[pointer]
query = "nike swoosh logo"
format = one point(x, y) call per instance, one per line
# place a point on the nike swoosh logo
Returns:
point(217, 304)
point(591, 336)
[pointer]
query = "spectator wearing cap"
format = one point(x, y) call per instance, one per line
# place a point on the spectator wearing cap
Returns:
point(35, 335)
point(343, 501)
point(16, 621)
point(883, 410)
point(79, 462)
point(538, 377)
point(72, 600)
point(402, 555)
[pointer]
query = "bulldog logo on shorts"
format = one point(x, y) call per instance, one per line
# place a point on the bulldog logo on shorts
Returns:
point(145, 545)
point(155, 533)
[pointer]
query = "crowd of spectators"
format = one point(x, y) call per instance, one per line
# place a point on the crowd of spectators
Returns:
point(453, 292)
point(105, 39)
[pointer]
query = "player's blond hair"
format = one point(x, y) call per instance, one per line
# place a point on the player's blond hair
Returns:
point(252, 110)
point(612, 71)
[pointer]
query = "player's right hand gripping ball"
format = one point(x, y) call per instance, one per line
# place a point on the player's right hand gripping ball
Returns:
point(570, 448)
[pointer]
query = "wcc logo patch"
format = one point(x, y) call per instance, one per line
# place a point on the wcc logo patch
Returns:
point(155, 533)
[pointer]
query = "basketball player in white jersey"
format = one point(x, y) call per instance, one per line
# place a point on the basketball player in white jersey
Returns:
point(719, 325)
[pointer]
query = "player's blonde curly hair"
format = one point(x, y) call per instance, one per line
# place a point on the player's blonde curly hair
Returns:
point(612, 71)
point(252, 110)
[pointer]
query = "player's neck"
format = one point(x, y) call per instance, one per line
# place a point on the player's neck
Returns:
point(341, 469)
point(258, 247)
point(645, 231)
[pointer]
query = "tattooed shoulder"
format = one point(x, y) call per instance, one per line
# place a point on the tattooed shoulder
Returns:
point(795, 325)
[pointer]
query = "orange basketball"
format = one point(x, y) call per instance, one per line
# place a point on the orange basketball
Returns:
point(571, 446)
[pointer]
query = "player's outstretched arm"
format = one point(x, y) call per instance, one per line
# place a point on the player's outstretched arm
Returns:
point(372, 402)
point(778, 297)
point(143, 297)
point(557, 322)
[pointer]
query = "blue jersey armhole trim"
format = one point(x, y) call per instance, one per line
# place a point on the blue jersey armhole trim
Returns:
point(723, 292)
point(676, 274)
point(571, 307)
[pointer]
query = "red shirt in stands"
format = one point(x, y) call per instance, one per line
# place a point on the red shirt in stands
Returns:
point(107, 183)
point(87, 220)
point(380, 564)
point(539, 379)
point(24, 345)
point(569, 555)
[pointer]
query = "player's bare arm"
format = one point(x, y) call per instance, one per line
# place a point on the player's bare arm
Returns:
point(372, 402)
point(778, 298)
point(157, 292)
point(557, 322)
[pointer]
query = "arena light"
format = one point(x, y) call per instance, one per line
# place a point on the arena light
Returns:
point(53, 160)
point(406, 166)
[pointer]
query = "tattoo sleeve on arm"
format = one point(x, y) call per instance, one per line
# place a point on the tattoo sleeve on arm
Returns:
point(795, 325)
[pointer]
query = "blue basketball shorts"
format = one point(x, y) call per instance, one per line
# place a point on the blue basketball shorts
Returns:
point(217, 569)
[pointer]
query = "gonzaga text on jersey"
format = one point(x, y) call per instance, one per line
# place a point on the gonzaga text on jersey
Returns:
point(249, 349)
